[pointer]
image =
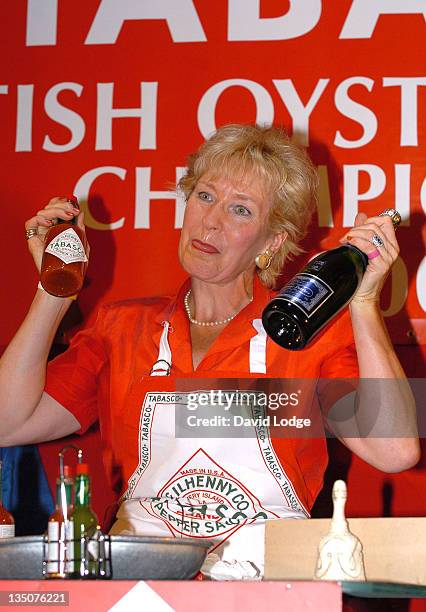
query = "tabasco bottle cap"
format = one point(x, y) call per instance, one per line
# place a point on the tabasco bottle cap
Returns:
point(82, 468)
point(73, 200)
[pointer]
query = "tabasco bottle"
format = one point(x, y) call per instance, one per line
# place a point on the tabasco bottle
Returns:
point(64, 262)
point(7, 524)
point(84, 522)
point(59, 529)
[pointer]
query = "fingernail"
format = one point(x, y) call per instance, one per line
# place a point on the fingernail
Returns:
point(348, 237)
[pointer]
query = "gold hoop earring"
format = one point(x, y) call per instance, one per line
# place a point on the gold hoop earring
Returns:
point(264, 260)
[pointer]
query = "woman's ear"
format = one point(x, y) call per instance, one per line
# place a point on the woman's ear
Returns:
point(276, 241)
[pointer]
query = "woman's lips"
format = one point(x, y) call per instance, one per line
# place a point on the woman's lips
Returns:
point(203, 246)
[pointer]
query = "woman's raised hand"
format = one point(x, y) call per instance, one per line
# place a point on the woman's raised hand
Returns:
point(58, 208)
point(374, 236)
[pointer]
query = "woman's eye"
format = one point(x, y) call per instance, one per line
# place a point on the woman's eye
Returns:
point(242, 210)
point(205, 196)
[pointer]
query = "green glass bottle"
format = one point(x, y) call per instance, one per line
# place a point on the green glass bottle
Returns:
point(84, 522)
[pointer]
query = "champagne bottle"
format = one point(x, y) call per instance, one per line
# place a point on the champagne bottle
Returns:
point(59, 529)
point(84, 522)
point(7, 523)
point(316, 294)
point(64, 262)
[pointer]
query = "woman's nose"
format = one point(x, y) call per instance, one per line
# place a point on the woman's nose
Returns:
point(212, 217)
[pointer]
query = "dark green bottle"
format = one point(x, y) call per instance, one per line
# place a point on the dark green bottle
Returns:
point(317, 293)
point(84, 522)
point(314, 296)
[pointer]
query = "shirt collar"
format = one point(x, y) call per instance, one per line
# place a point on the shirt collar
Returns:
point(253, 310)
point(236, 333)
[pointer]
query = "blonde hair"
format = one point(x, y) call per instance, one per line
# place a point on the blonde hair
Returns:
point(285, 168)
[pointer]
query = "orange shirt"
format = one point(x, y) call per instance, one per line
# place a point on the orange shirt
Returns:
point(96, 376)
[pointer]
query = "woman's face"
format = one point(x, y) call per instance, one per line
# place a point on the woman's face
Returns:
point(225, 227)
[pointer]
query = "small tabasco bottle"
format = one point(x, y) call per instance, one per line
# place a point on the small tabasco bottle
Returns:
point(84, 522)
point(65, 258)
point(59, 529)
point(7, 524)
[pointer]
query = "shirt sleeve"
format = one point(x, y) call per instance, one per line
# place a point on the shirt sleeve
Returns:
point(72, 377)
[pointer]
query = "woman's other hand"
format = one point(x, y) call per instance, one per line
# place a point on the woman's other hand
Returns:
point(57, 208)
point(374, 236)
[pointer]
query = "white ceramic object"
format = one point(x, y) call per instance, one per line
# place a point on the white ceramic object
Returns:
point(340, 551)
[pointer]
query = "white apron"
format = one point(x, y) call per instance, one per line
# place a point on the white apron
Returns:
point(222, 489)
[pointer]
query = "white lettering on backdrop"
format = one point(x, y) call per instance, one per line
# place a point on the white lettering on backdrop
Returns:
point(364, 14)
point(409, 94)
point(207, 105)
point(143, 197)
point(181, 17)
point(300, 113)
point(355, 111)
point(24, 118)
point(421, 284)
point(106, 113)
point(82, 191)
point(64, 116)
point(146, 112)
point(352, 193)
point(244, 21)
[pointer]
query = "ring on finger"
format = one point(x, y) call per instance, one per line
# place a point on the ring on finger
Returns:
point(373, 254)
point(393, 214)
point(31, 232)
point(377, 241)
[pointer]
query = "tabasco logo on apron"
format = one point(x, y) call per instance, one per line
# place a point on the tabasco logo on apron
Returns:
point(212, 502)
point(199, 487)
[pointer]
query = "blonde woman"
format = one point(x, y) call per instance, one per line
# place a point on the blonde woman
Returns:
point(250, 194)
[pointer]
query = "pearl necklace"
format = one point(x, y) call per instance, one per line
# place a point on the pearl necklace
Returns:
point(205, 323)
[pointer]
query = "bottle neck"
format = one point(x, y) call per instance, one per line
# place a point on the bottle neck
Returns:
point(68, 493)
point(362, 256)
point(66, 221)
point(82, 490)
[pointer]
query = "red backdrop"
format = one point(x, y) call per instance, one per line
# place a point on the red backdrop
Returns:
point(106, 99)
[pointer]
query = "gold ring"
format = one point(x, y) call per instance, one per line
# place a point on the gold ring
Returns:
point(30, 233)
point(393, 214)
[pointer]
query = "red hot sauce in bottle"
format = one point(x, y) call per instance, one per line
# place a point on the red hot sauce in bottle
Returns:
point(64, 259)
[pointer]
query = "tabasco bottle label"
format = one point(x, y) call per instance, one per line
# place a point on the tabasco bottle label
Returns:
point(67, 246)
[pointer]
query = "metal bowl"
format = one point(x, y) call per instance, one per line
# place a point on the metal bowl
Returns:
point(132, 558)
point(151, 558)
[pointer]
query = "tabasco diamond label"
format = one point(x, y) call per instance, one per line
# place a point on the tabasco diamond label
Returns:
point(203, 500)
point(67, 246)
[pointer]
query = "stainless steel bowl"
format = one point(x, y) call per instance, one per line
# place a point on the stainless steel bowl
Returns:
point(132, 558)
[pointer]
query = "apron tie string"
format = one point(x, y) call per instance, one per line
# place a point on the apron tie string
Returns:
point(258, 349)
point(163, 365)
